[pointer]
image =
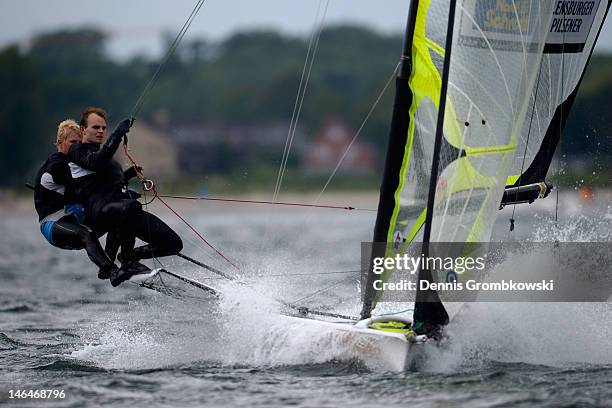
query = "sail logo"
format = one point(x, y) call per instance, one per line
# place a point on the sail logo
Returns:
point(504, 17)
point(411, 264)
point(498, 24)
point(517, 25)
point(570, 26)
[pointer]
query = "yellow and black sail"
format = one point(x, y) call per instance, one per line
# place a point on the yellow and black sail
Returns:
point(484, 108)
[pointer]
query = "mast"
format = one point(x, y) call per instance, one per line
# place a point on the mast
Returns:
point(428, 308)
point(398, 135)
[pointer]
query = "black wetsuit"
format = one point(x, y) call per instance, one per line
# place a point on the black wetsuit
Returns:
point(59, 212)
point(109, 207)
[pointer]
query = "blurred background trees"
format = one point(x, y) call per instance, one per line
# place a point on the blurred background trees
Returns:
point(249, 78)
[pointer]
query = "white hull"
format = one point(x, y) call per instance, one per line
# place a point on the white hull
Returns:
point(386, 350)
point(382, 349)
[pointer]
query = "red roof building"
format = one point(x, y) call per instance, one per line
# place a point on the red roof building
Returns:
point(331, 144)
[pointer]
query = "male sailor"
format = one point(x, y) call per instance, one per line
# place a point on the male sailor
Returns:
point(101, 185)
point(58, 212)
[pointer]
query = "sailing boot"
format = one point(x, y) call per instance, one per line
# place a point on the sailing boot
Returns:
point(106, 271)
point(128, 270)
point(147, 251)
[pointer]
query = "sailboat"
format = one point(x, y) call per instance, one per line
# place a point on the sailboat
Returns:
point(482, 95)
point(483, 91)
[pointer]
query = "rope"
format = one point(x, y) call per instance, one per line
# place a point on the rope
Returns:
point(303, 310)
point(139, 102)
point(305, 274)
point(234, 200)
point(317, 292)
point(396, 313)
point(307, 311)
point(195, 231)
point(380, 95)
point(149, 185)
point(299, 99)
point(534, 110)
point(169, 53)
point(137, 168)
point(208, 267)
point(562, 99)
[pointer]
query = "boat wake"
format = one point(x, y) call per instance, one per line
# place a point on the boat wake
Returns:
point(245, 328)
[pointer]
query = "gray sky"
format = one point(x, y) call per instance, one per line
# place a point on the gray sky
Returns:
point(135, 25)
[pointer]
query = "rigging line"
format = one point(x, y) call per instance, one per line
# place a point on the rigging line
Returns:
point(196, 232)
point(301, 100)
point(201, 248)
point(146, 205)
point(295, 105)
point(306, 274)
point(196, 242)
point(156, 195)
point(391, 77)
point(172, 48)
point(139, 173)
point(283, 203)
point(299, 110)
point(314, 293)
point(363, 123)
point(207, 267)
point(307, 311)
point(302, 310)
point(562, 99)
point(396, 313)
point(283, 275)
point(535, 101)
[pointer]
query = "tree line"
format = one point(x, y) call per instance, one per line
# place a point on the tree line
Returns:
point(250, 77)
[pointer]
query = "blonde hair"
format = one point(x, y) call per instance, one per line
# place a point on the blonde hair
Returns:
point(64, 128)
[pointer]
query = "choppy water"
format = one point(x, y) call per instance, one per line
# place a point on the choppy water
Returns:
point(62, 328)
